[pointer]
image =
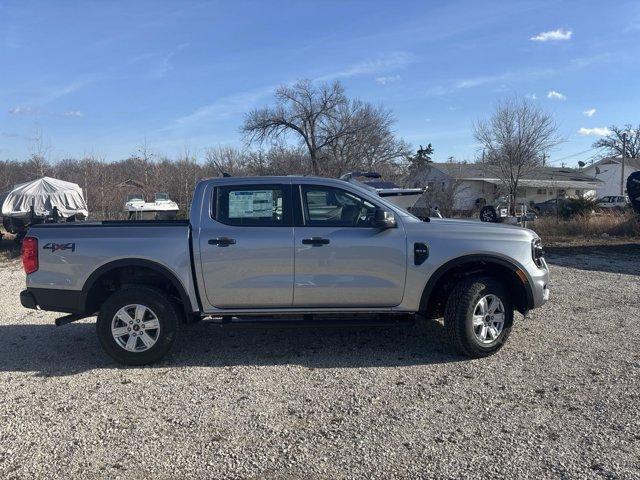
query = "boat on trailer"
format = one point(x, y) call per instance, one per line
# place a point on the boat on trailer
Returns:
point(403, 197)
point(162, 207)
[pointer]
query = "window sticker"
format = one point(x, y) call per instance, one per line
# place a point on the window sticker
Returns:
point(251, 204)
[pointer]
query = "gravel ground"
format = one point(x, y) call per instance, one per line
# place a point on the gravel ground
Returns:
point(561, 400)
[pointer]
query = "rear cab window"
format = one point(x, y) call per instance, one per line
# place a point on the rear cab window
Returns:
point(252, 205)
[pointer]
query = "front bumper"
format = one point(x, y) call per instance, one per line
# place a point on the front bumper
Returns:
point(540, 285)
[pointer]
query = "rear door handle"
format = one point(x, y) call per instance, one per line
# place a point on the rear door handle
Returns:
point(316, 241)
point(222, 241)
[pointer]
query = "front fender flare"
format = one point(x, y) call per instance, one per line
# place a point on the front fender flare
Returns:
point(511, 264)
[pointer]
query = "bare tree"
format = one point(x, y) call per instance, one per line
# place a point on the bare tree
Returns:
point(225, 160)
point(514, 140)
point(38, 152)
point(372, 144)
point(321, 117)
point(445, 198)
point(612, 143)
point(307, 111)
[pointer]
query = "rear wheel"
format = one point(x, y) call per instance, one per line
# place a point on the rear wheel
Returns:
point(137, 325)
point(478, 316)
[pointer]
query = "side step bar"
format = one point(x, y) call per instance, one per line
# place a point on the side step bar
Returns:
point(310, 320)
point(74, 317)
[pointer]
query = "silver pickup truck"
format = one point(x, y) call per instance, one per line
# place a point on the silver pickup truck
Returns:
point(267, 247)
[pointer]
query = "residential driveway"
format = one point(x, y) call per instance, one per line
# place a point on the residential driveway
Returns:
point(562, 400)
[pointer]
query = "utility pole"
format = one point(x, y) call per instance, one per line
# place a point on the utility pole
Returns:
point(624, 148)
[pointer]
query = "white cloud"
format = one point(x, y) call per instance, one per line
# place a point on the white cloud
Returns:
point(56, 93)
point(531, 96)
point(390, 79)
point(556, 95)
point(239, 103)
point(22, 110)
point(483, 80)
point(552, 36)
point(73, 113)
point(379, 65)
point(594, 132)
point(157, 65)
point(223, 107)
point(500, 78)
point(590, 113)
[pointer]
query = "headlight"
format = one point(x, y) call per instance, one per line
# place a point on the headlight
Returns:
point(537, 252)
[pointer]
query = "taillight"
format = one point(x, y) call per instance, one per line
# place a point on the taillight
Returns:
point(30, 254)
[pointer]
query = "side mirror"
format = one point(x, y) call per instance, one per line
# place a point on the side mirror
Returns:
point(384, 219)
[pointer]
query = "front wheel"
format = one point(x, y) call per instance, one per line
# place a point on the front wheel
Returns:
point(137, 325)
point(478, 316)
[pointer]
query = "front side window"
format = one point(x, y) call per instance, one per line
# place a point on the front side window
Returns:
point(334, 207)
point(255, 205)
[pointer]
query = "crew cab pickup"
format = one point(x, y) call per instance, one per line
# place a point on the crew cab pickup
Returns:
point(275, 246)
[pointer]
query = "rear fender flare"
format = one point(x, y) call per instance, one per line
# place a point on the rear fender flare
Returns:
point(138, 262)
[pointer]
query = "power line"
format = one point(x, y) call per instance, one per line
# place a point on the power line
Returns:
point(572, 155)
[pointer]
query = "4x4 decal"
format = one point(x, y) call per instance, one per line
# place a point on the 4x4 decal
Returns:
point(54, 247)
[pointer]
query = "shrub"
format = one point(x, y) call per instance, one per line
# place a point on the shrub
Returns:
point(589, 225)
point(577, 206)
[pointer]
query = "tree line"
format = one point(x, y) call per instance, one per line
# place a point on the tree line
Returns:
point(309, 129)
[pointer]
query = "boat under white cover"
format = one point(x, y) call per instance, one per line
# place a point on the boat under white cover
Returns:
point(44, 194)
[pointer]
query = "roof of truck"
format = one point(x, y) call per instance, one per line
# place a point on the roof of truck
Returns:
point(275, 179)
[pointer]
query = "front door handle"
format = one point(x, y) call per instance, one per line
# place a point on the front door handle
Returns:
point(316, 241)
point(222, 241)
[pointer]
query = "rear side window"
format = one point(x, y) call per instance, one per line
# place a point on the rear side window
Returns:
point(251, 205)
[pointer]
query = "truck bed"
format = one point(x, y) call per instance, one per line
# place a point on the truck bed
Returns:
point(72, 254)
point(116, 223)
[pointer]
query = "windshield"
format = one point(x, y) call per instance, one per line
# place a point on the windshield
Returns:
point(162, 196)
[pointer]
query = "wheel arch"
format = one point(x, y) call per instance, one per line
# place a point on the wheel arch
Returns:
point(447, 275)
point(93, 297)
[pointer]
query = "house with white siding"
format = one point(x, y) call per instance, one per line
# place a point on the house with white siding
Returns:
point(609, 172)
point(470, 185)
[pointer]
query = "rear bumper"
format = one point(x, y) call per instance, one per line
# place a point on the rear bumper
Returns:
point(28, 300)
point(55, 300)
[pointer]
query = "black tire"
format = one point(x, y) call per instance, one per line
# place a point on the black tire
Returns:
point(164, 308)
point(488, 214)
point(459, 311)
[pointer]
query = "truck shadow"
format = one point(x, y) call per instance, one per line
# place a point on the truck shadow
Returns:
point(47, 350)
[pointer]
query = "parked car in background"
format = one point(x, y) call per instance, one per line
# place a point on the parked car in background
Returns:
point(613, 202)
point(549, 207)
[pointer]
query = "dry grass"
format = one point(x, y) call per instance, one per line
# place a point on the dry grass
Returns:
point(581, 226)
point(8, 248)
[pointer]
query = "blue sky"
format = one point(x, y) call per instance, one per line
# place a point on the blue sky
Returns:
point(103, 78)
